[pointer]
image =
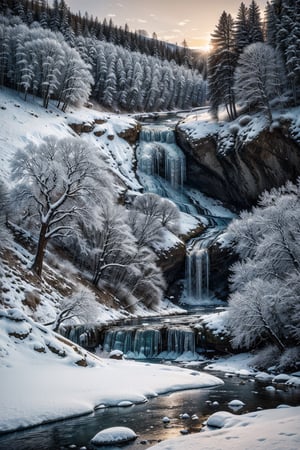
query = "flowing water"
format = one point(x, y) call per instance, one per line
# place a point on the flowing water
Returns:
point(146, 419)
point(161, 169)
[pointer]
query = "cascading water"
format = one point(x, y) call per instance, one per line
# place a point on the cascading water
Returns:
point(161, 168)
point(174, 343)
point(158, 155)
point(197, 273)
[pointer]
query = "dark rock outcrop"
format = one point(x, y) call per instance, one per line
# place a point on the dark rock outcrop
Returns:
point(240, 174)
point(220, 261)
point(85, 127)
point(171, 262)
point(131, 134)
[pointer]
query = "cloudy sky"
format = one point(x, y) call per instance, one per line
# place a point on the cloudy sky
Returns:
point(172, 20)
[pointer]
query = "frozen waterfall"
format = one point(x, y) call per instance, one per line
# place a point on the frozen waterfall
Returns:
point(158, 154)
point(197, 274)
point(153, 343)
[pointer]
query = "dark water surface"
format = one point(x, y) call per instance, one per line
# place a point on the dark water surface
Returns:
point(146, 419)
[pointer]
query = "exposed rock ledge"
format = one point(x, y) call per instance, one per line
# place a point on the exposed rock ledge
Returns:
point(130, 133)
point(240, 174)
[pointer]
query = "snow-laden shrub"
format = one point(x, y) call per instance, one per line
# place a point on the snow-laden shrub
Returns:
point(290, 359)
point(265, 358)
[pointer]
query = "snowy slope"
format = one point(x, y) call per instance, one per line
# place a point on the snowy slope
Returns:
point(23, 122)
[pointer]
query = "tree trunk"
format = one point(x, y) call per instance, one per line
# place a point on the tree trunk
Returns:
point(40, 252)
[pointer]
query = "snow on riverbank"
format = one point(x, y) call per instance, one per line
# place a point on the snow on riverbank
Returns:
point(43, 377)
point(275, 429)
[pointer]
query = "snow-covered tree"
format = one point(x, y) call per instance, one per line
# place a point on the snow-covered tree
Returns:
point(56, 182)
point(283, 33)
point(75, 80)
point(147, 283)
point(110, 244)
point(259, 77)
point(158, 208)
point(80, 307)
point(4, 235)
point(149, 215)
point(264, 305)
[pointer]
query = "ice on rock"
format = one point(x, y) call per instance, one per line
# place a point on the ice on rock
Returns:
point(281, 378)
point(125, 403)
point(114, 435)
point(236, 404)
point(166, 419)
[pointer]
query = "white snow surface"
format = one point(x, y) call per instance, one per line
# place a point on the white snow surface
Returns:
point(24, 122)
point(275, 429)
point(41, 380)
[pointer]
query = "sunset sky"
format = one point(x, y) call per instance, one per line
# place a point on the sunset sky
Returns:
point(172, 20)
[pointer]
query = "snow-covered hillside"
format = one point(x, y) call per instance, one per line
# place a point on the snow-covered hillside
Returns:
point(24, 122)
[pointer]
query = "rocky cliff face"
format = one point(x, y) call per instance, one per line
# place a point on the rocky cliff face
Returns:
point(240, 174)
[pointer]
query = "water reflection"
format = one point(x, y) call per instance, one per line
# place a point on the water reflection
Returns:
point(146, 419)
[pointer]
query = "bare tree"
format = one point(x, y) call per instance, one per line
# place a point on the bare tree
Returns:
point(110, 244)
point(56, 182)
point(162, 209)
point(80, 307)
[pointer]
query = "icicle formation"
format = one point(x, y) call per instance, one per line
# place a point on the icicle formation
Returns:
point(197, 273)
point(173, 343)
point(158, 154)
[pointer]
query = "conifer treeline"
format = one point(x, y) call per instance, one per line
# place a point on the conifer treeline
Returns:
point(60, 18)
point(231, 38)
point(40, 53)
point(39, 61)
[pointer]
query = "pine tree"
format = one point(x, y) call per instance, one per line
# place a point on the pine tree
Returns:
point(271, 25)
point(110, 86)
point(221, 66)
point(255, 23)
point(288, 38)
point(241, 29)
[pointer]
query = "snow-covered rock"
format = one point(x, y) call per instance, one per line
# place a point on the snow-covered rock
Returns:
point(281, 378)
point(114, 435)
point(219, 419)
point(236, 403)
point(236, 161)
point(166, 419)
point(293, 381)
